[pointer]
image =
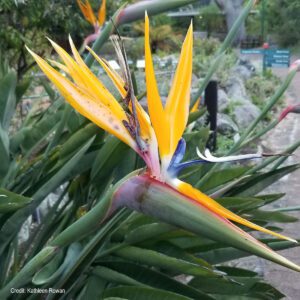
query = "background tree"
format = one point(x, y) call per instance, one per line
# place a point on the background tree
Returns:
point(283, 21)
point(232, 9)
point(30, 22)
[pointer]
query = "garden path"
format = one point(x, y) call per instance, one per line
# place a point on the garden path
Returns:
point(287, 132)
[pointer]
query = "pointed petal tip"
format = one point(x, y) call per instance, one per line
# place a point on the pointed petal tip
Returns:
point(52, 42)
point(33, 54)
point(48, 38)
point(28, 49)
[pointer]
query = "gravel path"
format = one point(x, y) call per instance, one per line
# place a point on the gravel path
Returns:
point(287, 132)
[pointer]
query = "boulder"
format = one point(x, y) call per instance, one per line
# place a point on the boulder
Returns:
point(236, 90)
point(244, 69)
point(223, 100)
point(244, 113)
point(225, 125)
point(195, 82)
point(25, 231)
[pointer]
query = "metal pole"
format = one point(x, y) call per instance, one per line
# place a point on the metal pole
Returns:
point(211, 102)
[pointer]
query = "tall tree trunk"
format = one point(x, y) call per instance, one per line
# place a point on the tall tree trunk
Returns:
point(232, 9)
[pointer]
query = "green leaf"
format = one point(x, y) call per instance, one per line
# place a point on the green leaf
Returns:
point(240, 204)
point(147, 231)
point(76, 140)
point(258, 183)
point(84, 259)
point(240, 286)
point(45, 274)
point(114, 298)
point(23, 276)
point(237, 288)
point(223, 253)
point(54, 269)
point(4, 153)
point(196, 115)
point(114, 276)
point(49, 90)
point(22, 87)
point(265, 291)
point(33, 134)
point(13, 224)
point(128, 164)
point(233, 271)
point(246, 204)
point(222, 177)
point(94, 288)
point(7, 98)
point(138, 293)
point(108, 157)
point(160, 260)
point(270, 216)
point(10, 201)
point(172, 250)
point(194, 140)
point(155, 279)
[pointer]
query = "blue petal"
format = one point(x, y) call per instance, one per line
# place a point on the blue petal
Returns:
point(179, 152)
point(175, 169)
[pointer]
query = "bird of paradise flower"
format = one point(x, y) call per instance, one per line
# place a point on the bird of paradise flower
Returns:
point(89, 15)
point(157, 138)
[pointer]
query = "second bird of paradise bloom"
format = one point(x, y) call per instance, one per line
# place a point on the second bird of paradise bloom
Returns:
point(157, 138)
point(89, 15)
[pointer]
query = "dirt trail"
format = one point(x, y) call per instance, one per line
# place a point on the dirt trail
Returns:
point(287, 132)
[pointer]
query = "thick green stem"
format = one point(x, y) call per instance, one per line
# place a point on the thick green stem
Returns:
point(259, 134)
point(137, 10)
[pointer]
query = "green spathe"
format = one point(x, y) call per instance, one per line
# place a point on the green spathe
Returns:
point(156, 199)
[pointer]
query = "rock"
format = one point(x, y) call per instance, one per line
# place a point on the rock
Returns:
point(243, 72)
point(236, 137)
point(50, 201)
point(225, 125)
point(163, 100)
point(140, 81)
point(24, 233)
point(171, 59)
point(195, 82)
point(163, 85)
point(144, 104)
point(245, 113)
point(223, 100)
point(244, 69)
point(236, 90)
